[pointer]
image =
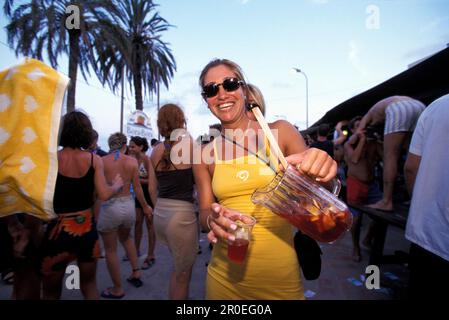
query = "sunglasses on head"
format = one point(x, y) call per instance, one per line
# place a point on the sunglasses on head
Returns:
point(229, 84)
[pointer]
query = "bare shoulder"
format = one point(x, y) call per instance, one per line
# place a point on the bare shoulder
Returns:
point(281, 124)
point(97, 161)
point(289, 139)
point(158, 149)
point(146, 160)
point(157, 153)
point(130, 161)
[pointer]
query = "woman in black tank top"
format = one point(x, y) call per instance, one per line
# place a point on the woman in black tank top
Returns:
point(175, 220)
point(73, 235)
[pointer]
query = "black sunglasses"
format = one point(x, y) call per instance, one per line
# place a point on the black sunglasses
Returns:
point(229, 84)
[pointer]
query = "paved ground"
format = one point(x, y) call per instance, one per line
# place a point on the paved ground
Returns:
point(341, 278)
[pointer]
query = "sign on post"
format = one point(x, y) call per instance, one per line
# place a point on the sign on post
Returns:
point(139, 125)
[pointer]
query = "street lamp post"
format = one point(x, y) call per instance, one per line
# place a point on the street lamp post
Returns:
point(307, 94)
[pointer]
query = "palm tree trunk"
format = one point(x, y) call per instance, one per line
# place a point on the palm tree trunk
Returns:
point(74, 55)
point(122, 99)
point(138, 89)
point(158, 107)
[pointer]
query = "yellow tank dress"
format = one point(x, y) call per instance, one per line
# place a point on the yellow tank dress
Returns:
point(271, 269)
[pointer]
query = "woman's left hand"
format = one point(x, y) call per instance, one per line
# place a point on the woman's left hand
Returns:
point(314, 162)
point(220, 224)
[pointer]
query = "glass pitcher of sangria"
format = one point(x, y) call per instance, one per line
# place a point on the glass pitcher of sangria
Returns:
point(306, 204)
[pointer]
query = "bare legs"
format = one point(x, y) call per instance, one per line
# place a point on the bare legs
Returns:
point(130, 249)
point(151, 236)
point(88, 280)
point(110, 245)
point(151, 239)
point(179, 285)
point(138, 228)
point(52, 285)
point(392, 149)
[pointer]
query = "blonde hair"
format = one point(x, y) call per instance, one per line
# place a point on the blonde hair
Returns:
point(116, 141)
point(255, 95)
point(234, 67)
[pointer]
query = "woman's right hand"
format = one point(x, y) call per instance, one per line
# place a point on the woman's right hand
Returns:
point(315, 163)
point(219, 223)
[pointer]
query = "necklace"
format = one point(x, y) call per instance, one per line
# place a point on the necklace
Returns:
point(265, 161)
point(234, 131)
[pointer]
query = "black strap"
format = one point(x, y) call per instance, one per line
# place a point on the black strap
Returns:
point(249, 151)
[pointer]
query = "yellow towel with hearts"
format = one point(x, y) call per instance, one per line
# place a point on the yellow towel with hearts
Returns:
point(31, 97)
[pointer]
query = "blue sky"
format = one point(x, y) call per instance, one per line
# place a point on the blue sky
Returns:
point(344, 46)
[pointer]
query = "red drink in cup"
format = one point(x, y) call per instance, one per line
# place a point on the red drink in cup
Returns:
point(238, 249)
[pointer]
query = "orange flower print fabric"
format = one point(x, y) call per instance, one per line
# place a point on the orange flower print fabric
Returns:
point(77, 226)
point(68, 238)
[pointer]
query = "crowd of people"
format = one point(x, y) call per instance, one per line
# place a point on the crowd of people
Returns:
point(400, 137)
point(175, 196)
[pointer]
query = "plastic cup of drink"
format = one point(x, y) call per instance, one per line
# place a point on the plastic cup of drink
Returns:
point(238, 249)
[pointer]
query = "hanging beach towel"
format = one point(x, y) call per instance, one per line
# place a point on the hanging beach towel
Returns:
point(31, 96)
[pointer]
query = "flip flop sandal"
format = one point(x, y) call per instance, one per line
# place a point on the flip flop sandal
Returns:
point(136, 282)
point(148, 263)
point(109, 295)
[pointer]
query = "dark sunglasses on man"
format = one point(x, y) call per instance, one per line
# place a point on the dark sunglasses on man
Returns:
point(229, 84)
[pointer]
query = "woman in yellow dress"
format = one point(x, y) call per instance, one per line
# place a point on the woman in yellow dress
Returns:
point(240, 163)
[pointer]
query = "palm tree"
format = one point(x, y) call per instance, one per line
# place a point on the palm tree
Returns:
point(130, 40)
point(39, 27)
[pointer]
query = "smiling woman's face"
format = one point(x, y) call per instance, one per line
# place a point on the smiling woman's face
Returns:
point(134, 148)
point(228, 106)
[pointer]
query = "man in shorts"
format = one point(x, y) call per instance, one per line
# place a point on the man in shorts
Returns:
point(399, 115)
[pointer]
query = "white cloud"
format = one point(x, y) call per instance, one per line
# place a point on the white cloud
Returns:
point(354, 58)
point(245, 1)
